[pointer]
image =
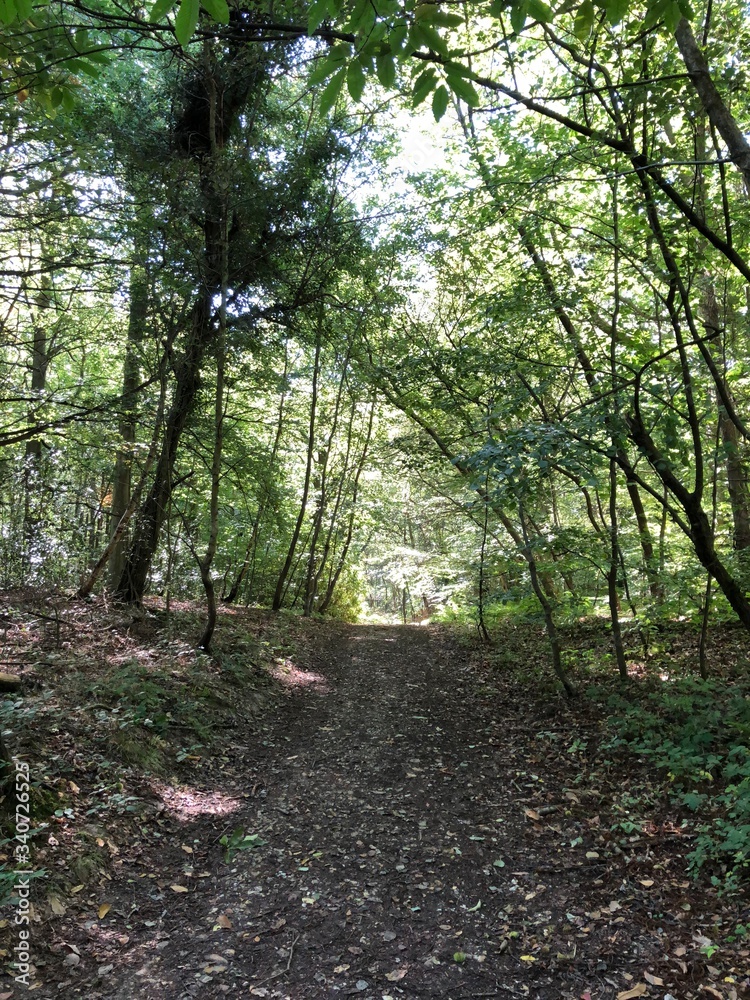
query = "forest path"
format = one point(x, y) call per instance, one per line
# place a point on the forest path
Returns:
point(404, 855)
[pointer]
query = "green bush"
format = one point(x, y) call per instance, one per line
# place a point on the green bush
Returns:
point(698, 733)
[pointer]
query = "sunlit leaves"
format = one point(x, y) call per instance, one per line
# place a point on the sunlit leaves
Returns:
point(218, 10)
point(160, 8)
point(423, 85)
point(332, 90)
point(462, 88)
point(355, 80)
point(186, 20)
point(15, 10)
point(440, 100)
point(386, 69)
point(318, 12)
point(584, 20)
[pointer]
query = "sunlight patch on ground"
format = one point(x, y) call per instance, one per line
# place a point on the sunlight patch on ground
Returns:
point(290, 675)
point(186, 803)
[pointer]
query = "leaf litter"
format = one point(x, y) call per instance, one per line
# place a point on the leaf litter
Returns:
point(386, 817)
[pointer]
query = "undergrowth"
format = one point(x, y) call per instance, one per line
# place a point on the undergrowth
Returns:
point(696, 733)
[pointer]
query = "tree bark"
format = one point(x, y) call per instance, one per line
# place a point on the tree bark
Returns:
point(153, 511)
point(280, 584)
point(122, 480)
point(713, 104)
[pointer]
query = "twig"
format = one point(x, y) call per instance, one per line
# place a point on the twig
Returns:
point(280, 972)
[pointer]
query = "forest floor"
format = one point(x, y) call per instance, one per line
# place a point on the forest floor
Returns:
point(387, 817)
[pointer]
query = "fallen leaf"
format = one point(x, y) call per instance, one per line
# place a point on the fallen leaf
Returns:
point(637, 991)
point(76, 888)
point(187, 849)
point(179, 888)
point(56, 906)
point(532, 814)
point(103, 910)
point(647, 882)
point(342, 968)
point(654, 980)
point(528, 958)
point(396, 975)
point(224, 921)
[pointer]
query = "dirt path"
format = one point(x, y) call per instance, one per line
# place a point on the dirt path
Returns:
point(405, 854)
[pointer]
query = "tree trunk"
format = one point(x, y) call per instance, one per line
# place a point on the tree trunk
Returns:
point(614, 565)
point(33, 457)
point(549, 618)
point(699, 528)
point(153, 511)
point(219, 209)
point(265, 494)
point(279, 592)
point(122, 480)
point(713, 104)
point(334, 578)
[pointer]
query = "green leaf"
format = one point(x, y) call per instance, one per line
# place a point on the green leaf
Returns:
point(317, 13)
point(584, 21)
point(332, 90)
point(217, 9)
point(424, 34)
point(518, 16)
point(85, 67)
point(616, 10)
point(422, 86)
point(539, 10)
point(355, 79)
point(462, 88)
point(8, 11)
point(186, 21)
point(361, 16)
point(672, 15)
point(332, 62)
point(398, 35)
point(102, 58)
point(440, 100)
point(456, 69)
point(430, 13)
point(24, 9)
point(386, 69)
point(160, 8)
